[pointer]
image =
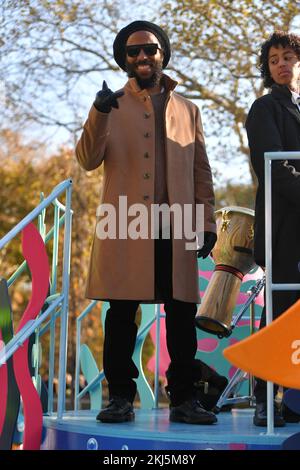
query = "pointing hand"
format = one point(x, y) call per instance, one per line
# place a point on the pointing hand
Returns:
point(107, 99)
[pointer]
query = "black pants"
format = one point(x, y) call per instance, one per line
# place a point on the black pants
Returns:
point(282, 300)
point(121, 330)
point(285, 270)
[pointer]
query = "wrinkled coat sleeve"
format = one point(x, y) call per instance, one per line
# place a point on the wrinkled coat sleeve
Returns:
point(204, 193)
point(264, 135)
point(90, 150)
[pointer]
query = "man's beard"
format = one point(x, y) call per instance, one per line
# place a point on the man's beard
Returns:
point(143, 83)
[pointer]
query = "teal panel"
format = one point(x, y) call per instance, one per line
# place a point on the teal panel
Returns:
point(144, 390)
point(90, 371)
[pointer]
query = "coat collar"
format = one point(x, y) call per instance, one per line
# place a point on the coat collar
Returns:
point(282, 93)
point(133, 86)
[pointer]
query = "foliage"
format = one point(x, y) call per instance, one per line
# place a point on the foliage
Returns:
point(215, 47)
point(235, 195)
point(55, 54)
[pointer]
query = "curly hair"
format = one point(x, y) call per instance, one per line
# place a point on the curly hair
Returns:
point(278, 38)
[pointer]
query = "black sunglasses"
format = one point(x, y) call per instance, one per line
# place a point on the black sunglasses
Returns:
point(149, 49)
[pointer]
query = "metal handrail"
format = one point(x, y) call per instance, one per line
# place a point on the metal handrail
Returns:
point(22, 335)
point(270, 286)
point(56, 299)
point(23, 265)
point(60, 188)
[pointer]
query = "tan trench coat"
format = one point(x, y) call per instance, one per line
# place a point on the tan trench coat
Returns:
point(124, 140)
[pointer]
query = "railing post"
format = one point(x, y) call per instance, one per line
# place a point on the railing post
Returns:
point(65, 308)
point(157, 356)
point(77, 364)
point(52, 320)
point(268, 255)
point(270, 286)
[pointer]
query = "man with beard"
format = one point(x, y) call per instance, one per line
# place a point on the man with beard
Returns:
point(151, 141)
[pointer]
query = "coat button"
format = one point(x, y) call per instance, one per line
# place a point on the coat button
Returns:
point(147, 115)
point(147, 134)
point(146, 176)
point(146, 155)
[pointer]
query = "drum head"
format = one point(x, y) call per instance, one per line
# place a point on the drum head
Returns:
point(242, 210)
point(213, 326)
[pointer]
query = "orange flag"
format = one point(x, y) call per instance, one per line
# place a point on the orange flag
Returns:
point(272, 353)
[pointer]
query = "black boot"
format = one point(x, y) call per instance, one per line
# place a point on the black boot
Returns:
point(191, 412)
point(118, 410)
point(260, 416)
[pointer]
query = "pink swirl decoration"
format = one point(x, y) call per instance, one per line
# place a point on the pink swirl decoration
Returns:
point(34, 252)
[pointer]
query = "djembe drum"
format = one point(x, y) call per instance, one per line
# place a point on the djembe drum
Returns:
point(233, 256)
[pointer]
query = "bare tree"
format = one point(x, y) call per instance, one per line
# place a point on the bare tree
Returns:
point(55, 54)
point(216, 44)
point(50, 53)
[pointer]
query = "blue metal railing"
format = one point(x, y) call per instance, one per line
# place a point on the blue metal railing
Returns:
point(56, 304)
point(270, 286)
point(54, 300)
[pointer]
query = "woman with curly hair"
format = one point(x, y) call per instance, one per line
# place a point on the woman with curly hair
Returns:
point(273, 125)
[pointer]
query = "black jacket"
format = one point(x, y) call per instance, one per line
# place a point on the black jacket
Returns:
point(273, 124)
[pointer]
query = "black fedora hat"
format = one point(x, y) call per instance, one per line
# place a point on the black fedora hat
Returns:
point(124, 33)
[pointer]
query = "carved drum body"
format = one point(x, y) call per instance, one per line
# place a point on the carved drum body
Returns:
point(233, 257)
